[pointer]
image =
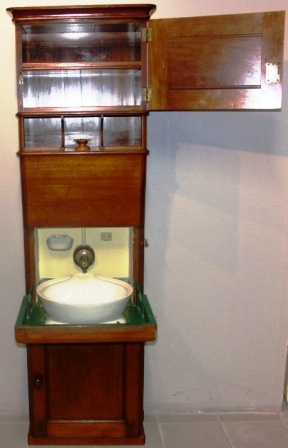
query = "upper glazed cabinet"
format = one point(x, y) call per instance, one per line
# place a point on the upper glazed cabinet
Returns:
point(93, 73)
point(81, 71)
point(125, 62)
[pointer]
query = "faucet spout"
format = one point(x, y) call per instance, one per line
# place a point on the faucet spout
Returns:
point(84, 257)
point(84, 263)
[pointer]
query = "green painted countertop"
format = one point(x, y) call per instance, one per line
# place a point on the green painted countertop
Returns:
point(140, 324)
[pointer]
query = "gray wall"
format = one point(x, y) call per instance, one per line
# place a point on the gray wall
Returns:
point(216, 267)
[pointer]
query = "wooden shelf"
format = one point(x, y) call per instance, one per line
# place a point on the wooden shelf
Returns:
point(51, 112)
point(140, 326)
point(136, 65)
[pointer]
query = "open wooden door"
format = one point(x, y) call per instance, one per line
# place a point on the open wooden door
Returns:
point(228, 62)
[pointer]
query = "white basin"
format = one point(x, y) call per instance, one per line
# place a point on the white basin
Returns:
point(84, 298)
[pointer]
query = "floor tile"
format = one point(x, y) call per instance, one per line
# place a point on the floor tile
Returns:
point(224, 430)
point(268, 434)
point(185, 418)
point(153, 439)
point(150, 418)
point(187, 435)
point(13, 418)
point(284, 415)
point(13, 435)
point(152, 435)
point(249, 417)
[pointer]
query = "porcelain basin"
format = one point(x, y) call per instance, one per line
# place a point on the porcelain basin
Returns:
point(84, 298)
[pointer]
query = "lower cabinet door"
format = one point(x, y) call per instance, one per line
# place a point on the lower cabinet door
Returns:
point(86, 393)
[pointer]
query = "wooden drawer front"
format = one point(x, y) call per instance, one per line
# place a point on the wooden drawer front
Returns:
point(85, 190)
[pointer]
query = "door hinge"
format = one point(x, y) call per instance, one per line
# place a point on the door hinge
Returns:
point(20, 77)
point(146, 94)
point(146, 34)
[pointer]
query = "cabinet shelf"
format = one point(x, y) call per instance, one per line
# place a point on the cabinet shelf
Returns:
point(93, 150)
point(140, 325)
point(81, 87)
point(57, 132)
point(136, 65)
point(83, 111)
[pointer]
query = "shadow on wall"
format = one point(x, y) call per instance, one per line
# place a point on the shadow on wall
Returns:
point(196, 169)
point(251, 131)
point(196, 178)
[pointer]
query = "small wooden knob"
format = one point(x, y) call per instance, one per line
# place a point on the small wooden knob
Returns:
point(38, 381)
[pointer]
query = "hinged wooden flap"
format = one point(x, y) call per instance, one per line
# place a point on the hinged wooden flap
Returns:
point(217, 63)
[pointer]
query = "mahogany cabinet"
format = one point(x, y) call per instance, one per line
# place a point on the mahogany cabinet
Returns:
point(94, 73)
point(80, 74)
point(86, 382)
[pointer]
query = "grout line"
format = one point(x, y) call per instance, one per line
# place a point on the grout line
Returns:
point(284, 421)
point(226, 433)
point(160, 437)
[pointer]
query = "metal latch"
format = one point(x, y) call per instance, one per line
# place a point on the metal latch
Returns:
point(272, 72)
point(146, 34)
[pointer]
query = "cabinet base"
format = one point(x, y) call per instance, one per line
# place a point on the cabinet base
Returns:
point(140, 440)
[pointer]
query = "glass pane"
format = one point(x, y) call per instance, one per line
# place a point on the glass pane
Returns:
point(81, 88)
point(42, 132)
point(122, 131)
point(82, 127)
point(83, 42)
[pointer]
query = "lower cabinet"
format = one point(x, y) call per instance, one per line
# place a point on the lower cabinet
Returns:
point(86, 394)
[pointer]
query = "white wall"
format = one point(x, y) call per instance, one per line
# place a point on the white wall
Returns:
point(216, 268)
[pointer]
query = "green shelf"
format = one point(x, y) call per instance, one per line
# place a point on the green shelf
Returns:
point(139, 323)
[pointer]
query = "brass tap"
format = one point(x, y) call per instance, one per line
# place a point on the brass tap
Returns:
point(84, 257)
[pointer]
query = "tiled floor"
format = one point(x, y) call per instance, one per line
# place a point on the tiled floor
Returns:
point(211, 430)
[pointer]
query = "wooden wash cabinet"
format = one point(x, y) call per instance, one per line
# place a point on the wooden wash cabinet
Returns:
point(95, 72)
